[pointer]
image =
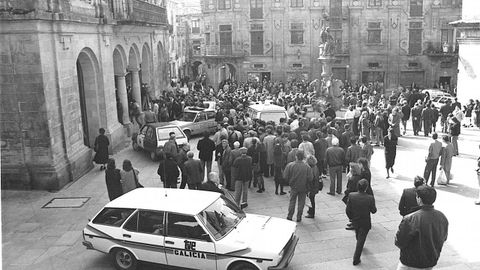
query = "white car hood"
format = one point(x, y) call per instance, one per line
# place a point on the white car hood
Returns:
point(258, 236)
point(180, 123)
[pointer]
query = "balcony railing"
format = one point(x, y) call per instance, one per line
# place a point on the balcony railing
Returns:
point(223, 50)
point(138, 11)
point(439, 49)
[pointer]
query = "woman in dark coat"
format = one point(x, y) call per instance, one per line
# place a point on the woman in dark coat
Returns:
point(112, 179)
point(390, 142)
point(314, 187)
point(101, 149)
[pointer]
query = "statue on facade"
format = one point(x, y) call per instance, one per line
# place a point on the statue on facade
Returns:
point(327, 45)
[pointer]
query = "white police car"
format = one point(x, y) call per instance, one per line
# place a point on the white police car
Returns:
point(189, 229)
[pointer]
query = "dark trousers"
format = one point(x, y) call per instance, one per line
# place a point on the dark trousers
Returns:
point(311, 210)
point(430, 167)
point(228, 178)
point(417, 126)
point(278, 178)
point(322, 166)
point(194, 185)
point(361, 235)
point(293, 200)
point(183, 184)
point(269, 170)
point(335, 174)
point(167, 184)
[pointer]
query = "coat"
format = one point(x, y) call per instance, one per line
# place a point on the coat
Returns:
point(299, 176)
point(101, 149)
point(129, 180)
point(359, 207)
point(194, 171)
point(206, 147)
point(114, 187)
point(408, 202)
point(446, 157)
point(243, 169)
point(269, 143)
point(168, 171)
point(354, 152)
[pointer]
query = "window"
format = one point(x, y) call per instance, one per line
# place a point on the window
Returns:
point(296, 3)
point(225, 39)
point(196, 46)
point(150, 134)
point(224, 4)
point(207, 38)
point(113, 216)
point(446, 64)
point(413, 64)
point(415, 38)
point(210, 115)
point(297, 65)
point(256, 39)
point(416, 8)
point(151, 222)
point(221, 217)
point(163, 133)
point(256, 9)
point(374, 33)
point(446, 36)
point(183, 226)
point(196, 27)
point(375, 3)
point(296, 33)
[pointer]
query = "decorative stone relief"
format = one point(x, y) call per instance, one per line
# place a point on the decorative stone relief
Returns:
point(277, 24)
point(66, 41)
point(106, 39)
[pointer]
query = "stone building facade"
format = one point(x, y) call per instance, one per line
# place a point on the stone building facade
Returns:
point(469, 59)
point(66, 66)
point(395, 42)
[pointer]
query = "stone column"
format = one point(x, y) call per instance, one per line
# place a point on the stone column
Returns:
point(136, 86)
point(122, 96)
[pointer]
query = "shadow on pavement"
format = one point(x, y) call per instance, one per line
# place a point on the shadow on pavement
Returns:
point(459, 189)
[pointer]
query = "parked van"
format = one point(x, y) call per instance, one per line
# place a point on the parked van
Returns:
point(267, 112)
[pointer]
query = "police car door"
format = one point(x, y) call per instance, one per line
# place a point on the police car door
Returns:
point(187, 244)
point(141, 136)
point(143, 233)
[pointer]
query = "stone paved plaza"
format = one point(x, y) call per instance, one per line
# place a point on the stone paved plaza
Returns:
point(38, 238)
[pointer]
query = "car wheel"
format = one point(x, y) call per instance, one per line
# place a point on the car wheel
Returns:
point(135, 146)
point(188, 133)
point(123, 259)
point(243, 266)
point(153, 156)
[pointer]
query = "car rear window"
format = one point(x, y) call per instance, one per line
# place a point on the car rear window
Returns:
point(272, 116)
point(113, 216)
point(163, 133)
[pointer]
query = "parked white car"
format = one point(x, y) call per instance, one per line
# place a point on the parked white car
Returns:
point(267, 112)
point(189, 229)
point(439, 101)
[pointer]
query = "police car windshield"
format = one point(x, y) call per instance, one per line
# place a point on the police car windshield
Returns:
point(221, 217)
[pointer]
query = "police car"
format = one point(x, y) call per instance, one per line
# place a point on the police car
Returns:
point(189, 229)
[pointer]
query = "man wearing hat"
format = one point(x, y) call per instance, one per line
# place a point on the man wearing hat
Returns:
point(242, 174)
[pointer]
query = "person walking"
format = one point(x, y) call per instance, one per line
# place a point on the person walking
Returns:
point(427, 117)
point(394, 121)
point(335, 157)
point(379, 125)
point(391, 141)
point(359, 206)
point(129, 177)
point(194, 171)
point(269, 142)
point(226, 164)
point(321, 146)
point(416, 118)
point(354, 152)
point(367, 149)
point(446, 158)
point(181, 159)
point(254, 153)
point(101, 149)
point(206, 147)
point(434, 152)
point(171, 145)
point(279, 162)
point(421, 235)
point(112, 179)
point(454, 133)
point(406, 115)
point(408, 201)
point(299, 175)
point(316, 185)
point(168, 171)
point(242, 175)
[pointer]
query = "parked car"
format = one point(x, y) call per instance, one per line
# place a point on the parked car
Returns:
point(156, 225)
point(267, 112)
point(439, 101)
point(153, 136)
point(196, 120)
point(435, 92)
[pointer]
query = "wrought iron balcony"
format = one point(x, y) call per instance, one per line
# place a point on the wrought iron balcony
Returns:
point(138, 12)
point(437, 49)
point(223, 50)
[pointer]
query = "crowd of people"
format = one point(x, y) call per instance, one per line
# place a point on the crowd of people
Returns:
point(300, 152)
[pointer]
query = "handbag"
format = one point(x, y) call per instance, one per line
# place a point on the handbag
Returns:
point(136, 180)
point(442, 178)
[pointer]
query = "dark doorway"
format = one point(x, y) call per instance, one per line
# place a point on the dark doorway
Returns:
point(445, 80)
point(266, 76)
point(83, 105)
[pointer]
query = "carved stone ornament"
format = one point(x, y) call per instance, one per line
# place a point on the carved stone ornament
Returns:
point(278, 24)
point(66, 41)
point(106, 39)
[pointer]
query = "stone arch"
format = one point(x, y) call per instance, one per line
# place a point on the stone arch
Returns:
point(90, 87)
point(146, 75)
point(119, 69)
point(162, 65)
point(133, 57)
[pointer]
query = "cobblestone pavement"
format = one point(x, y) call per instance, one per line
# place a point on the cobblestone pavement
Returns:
point(37, 238)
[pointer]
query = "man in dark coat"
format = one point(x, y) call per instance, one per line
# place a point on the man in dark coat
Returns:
point(408, 202)
point(194, 171)
point(242, 175)
point(421, 234)
point(359, 206)
point(168, 171)
point(416, 119)
point(427, 117)
point(101, 149)
point(299, 175)
point(445, 110)
point(405, 115)
point(206, 147)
